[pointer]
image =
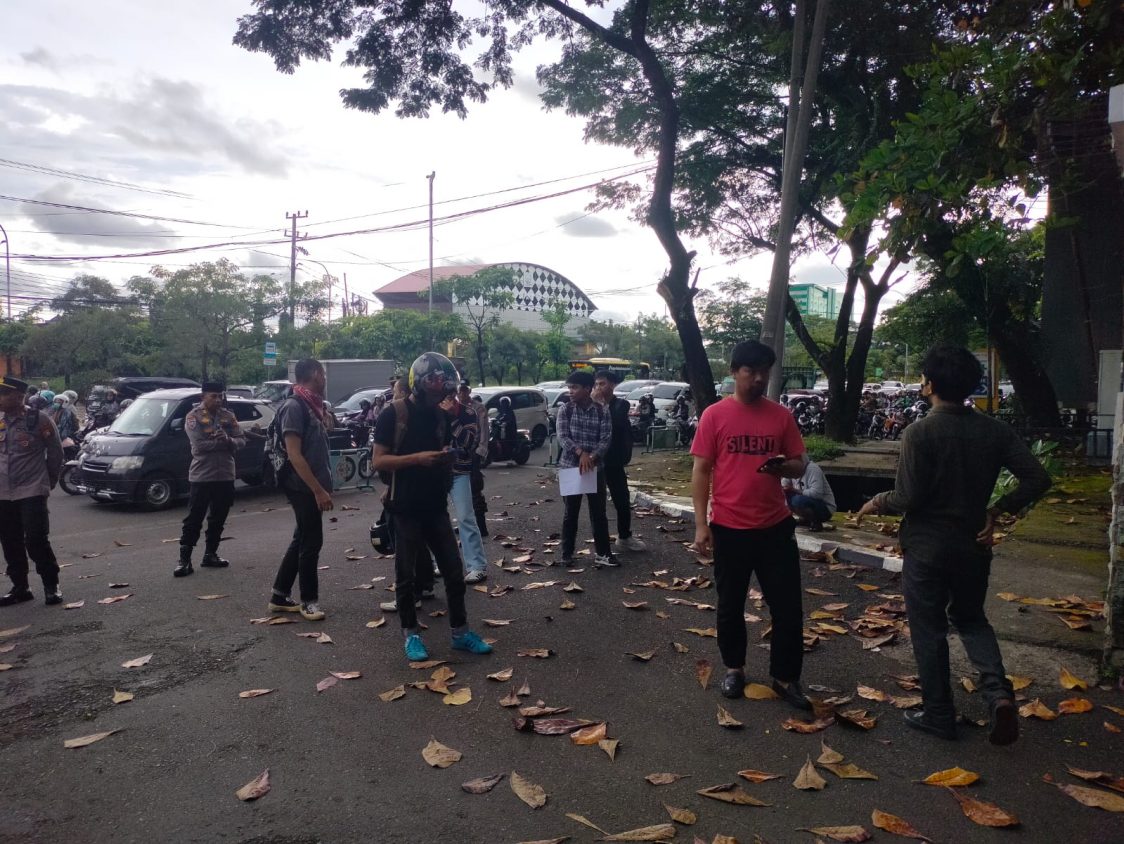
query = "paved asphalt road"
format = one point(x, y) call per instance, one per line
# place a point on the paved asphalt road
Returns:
point(346, 766)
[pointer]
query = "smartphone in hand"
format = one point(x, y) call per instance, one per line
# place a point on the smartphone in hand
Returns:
point(771, 462)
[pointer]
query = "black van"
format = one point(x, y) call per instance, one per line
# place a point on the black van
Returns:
point(145, 455)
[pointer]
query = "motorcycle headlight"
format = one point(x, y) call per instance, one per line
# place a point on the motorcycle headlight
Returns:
point(81, 457)
point(124, 464)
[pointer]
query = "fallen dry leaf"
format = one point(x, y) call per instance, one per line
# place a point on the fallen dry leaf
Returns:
point(610, 747)
point(138, 662)
point(572, 586)
point(681, 649)
point(83, 741)
point(894, 825)
point(584, 821)
point(1074, 706)
point(1019, 683)
point(121, 544)
point(255, 692)
point(710, 632)
point(502, 676)
point(498, 622)
point(346, 675)
point(828, 756)
point(664, 779)
point(659, 832)
point(703, 669)
point(808, 779)
point(429, 663)
point(858, 717)
point(255, 788)
point(731, 792)
point(211, 597)
point(567, 604)
point(530, 793)
point(873, 694)
point(848, 771)
point(76, 605)
point(642, 656)
point(983, 813)
point(509, 700)
point(1070, 681)
point(1119, 710)
point(438, 755)
point(589, 735)
point(725, 719)
point(683, 816)
point(1089, 776)
point(326, 683)
point(482, 785)
point(557, 726)
point(392, 694)
point(797, 725)
point(1037, 709)
point(756, 691)
point(758, 776)
point(116, 599)
point(1094, 797)
point(119, 586)
point(634, 605)
point(537, 653)
point(1112, 728)
point(951, 776)
point(839, 833)
point(122, 697)
point(458, 698)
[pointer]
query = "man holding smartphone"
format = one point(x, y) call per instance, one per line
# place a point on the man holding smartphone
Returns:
point(743, 447)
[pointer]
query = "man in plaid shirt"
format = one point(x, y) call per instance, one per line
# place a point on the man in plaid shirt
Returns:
point(584, 432)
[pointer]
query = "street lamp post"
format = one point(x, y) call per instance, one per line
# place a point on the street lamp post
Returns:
point(7, 269)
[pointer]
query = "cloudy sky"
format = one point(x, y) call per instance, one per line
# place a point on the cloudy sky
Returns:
point(161, 116)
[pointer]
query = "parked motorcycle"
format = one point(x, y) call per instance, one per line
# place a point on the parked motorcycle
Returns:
point(501, 450)
point(71, 448)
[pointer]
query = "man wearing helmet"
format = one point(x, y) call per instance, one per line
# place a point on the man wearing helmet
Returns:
point(412, 444)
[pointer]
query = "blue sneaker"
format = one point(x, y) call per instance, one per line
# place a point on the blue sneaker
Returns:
point(472, 643)
point(415, 649)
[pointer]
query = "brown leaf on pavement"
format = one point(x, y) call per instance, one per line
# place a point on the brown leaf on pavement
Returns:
point(76, 605)
point(121, 544)
point(280, 620)
point(731, 792)
point(498, 622)
point(537, 653)
point(873, 694)
point(828, 756)
point(1094, 797)
point(116, 599)
point(895, 825)
point(840, 833)
point(138, 662)
point(758, 776)
point(683, 816)
point(703, 669)
point(858, 717)
point(122, 697)
point(951, 776)
point(572, 586)
point(1037, 709)
point(255, 788)
point(1089, 776)
point(1112, 728)
point(725, 719)
point(1070, 681)
point(326, 683)
point(808, 779)
point(710, 632)
point(211, 597)
point(482, 785)
point(509, 700)
point(660, 832)
point(823, 592)
point(438, 755)
point(589, 735)
point(878, 641)
point(83, 741)
point(502, 676)
point(797, 725)
point(664, 779)
point(610, 748)
point(458, 698)
point(634, 605)
point(378, 622)
point(1117, 709)
point(756, 691)
point(642, 656)
point(530, 793)
point(429, 663)
point(557, 726)
point(584, 821)
point(393, 694)
point(984, 813)
point(681, 649)
point(91, 556)
point(255, 692)
point(1019, 683)
point(1074, 706)
point(848, 771)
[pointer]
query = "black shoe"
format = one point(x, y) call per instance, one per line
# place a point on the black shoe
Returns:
point(53, 596)
point(567, 561)
point(183, 568)
point(733, 684)
point(211, 560)
point(1004, 722)
point(16, 596)
point(918, 721)
point(793, 695)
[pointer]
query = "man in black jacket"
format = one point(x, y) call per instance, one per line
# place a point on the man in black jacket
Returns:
point(618, 456)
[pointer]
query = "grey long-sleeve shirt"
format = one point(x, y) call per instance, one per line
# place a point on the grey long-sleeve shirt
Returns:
point(30, 455)
point(949, 463)
point(214, 438)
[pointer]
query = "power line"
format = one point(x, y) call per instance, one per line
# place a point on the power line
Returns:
point(118, 213)
point(85, 177)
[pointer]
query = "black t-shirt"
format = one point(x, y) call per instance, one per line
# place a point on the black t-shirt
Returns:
point(416, 490)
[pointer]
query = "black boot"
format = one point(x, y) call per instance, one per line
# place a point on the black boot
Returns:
point(53, 595)
point(17, 595)
point(184, 568)
point(212, 560)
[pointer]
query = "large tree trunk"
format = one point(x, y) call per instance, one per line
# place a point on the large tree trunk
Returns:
point(1032, 384)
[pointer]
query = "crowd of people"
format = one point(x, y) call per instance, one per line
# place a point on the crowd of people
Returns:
point(751, 480)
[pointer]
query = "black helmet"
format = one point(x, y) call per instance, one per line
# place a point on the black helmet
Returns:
point(432, 363)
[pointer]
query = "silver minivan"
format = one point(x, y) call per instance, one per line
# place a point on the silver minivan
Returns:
point(529, 405)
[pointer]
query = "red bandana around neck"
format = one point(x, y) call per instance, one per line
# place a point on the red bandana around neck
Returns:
point(315, 403)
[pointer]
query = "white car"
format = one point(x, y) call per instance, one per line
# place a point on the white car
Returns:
point(892, 388)
point(663, 395)
point(529, 405)
point(625, 387)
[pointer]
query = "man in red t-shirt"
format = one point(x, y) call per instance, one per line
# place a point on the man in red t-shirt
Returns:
point(744, 445)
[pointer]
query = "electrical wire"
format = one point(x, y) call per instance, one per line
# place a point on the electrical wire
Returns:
point(85, 177)
point(118, 213)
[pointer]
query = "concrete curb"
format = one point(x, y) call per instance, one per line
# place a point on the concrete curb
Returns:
point(845, 552)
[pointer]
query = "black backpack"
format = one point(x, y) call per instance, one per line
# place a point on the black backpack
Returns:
point(275, 442)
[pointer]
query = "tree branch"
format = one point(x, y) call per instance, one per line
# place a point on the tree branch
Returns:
point(587, 23)
point(796, 320)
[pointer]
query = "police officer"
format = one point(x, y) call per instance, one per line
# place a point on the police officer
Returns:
point(214, 435)
point(30, 462)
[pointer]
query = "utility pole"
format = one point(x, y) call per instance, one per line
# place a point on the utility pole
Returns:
point(431, 177)
point(346, 297)
point(296, 215)
point(8, 269)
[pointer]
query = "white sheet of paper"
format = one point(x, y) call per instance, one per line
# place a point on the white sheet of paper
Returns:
point(573, 482)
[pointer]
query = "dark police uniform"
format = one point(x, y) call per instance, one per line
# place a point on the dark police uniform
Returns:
point(30, 461)
point(214, 438)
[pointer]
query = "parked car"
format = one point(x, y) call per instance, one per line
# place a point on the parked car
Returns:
point(550, 385)
point(872, 387)
point(892, 389)
point(349, 406)
point(555, 400)
point(144, 455)
point(625, 387)
point(241, 391)
point(663, 395)
point(529, 405)
point(274, 392)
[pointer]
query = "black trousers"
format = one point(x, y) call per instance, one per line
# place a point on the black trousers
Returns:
point(771, 553)
point(617, 482)
point(25, 528)
point(597, 519)
point(215, 497)
point(303, 554)
point(951, 589)
point(413, 535)
point(479, 503)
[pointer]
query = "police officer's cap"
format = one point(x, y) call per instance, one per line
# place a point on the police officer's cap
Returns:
point(7, 382)
point(214, 387)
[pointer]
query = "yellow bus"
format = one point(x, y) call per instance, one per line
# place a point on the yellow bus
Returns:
point(626, 369)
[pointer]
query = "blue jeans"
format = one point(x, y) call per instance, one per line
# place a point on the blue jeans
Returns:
point(815, 506)
point(472, 547)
